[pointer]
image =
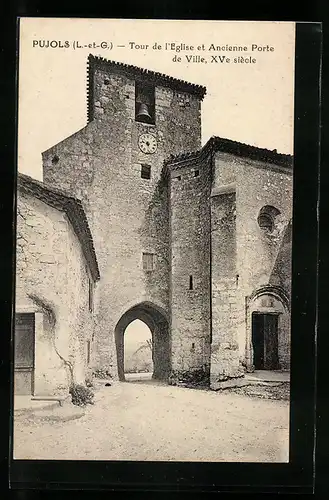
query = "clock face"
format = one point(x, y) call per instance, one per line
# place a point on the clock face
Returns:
point(147, 143)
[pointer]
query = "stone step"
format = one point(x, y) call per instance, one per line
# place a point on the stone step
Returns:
point(34, 406)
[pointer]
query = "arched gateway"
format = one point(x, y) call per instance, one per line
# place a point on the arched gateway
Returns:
point(156, 319)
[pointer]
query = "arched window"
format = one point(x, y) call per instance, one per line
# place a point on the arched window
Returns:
point(266, 218)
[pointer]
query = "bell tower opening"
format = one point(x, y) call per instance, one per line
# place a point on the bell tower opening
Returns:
point(144, 103)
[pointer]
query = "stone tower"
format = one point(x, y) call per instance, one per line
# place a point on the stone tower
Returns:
point(136, 119)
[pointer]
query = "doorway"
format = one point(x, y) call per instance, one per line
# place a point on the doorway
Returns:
point(156, 321)
point(24, 354)
point(138, 351)
point(265, 341)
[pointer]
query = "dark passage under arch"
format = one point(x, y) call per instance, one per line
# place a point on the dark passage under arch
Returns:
point(157, 322)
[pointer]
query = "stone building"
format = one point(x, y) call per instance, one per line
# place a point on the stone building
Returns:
point(56, 274)
point(193, 241)
point(230, 220)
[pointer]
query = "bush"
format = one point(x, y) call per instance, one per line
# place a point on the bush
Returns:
point(81, 395)
point(102, 373)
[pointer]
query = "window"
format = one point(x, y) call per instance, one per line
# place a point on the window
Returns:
point(148, 261)
point(88, 352)
point(144, 103)
point(55, 160)
point(91, 295)
point(196, 173)
point(178, 178)
point(191, 283)
point(267, 218)
point(145, 172)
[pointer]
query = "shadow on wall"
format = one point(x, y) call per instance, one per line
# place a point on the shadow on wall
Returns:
point(154, 235)
point(281, 271)
point(268, 312)
point(50, 323)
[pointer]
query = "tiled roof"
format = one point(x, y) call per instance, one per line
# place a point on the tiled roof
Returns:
point(236, 149)
point(74, 211)
point(138, 73)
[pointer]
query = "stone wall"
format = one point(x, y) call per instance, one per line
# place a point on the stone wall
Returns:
point(128, 215)
point(52, 279)
point(262, 258)
point(190, 269)
point(258, 263)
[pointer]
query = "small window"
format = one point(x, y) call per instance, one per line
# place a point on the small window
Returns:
point(196, 173)
point(88, 352)
point(267, 218)
point(178, 178)
point(55, 160)
point(148, 261)
point(91, 295)
point(193, 345)
point(191, 283)
point(145, 172)
point(144, 103)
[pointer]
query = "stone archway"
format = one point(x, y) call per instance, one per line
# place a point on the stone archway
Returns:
point(269, 303)
point(156, 319)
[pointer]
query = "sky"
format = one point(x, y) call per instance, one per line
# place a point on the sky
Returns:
point(247, 102)
point(136, 334)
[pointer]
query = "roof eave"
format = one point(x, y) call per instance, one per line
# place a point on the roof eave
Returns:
point(73, 209)
point(137, 73)
point(217, 144)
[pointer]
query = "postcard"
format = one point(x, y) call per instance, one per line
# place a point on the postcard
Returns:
point(154, 236)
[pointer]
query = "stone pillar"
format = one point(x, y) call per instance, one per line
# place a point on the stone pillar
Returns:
point(225, 363)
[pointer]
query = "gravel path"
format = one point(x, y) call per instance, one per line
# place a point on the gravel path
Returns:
point(147, 421)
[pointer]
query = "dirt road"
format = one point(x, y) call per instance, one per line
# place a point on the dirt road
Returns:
point(147, 421)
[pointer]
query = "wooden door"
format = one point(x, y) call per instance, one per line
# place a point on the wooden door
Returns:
point(24, 353)
point(271, 359)
point(265, 341)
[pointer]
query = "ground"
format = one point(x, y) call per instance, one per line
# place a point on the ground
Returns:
point(151, 421)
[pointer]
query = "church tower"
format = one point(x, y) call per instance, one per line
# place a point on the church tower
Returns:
point(136, 119)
